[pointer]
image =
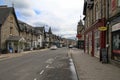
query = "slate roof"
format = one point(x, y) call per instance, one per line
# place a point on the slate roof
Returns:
point(38, 31)
point(80, 23)
point(42, 29)
point(4, 13)
point(22, 25)
point(50, 31)
point(26, 27)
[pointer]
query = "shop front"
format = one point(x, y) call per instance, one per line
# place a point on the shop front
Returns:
point(116, 42)
point(95, 39)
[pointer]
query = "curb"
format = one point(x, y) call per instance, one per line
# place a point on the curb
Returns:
point(13, 55)
point(70, 55)
point(75, 66)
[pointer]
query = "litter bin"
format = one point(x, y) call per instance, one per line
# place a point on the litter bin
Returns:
point(16, 51)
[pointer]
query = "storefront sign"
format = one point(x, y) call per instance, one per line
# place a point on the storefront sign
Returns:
point(102, 28)
point(79, 36)
point(116, 27)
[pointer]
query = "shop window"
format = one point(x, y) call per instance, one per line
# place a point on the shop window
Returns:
point(116, 45)
point(97, 40)
point(113, 5)
point(116, 41)
point(118, 3)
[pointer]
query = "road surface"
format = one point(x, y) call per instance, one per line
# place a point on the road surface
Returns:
point(39, 65)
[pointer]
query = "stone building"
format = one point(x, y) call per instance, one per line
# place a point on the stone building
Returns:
point(95, 12)
point(9, 31)
point(80, 35)
point(102, 28)
point(41, 37)
point(114, 31)
point(15, 35)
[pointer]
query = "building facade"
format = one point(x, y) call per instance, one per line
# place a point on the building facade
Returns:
point(9, 31)
point(102, 28)
point(80, 35)
point(114, 31)
point(95, 17)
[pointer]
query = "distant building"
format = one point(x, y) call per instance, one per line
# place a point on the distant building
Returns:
point(80, 35)
point(41, 36)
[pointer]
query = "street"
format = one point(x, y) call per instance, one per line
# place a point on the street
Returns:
point(39, 65)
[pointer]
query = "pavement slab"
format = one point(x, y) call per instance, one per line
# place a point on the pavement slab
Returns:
point(89, 68)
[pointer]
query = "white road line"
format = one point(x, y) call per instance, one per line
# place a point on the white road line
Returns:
point(35, 78)
point(47, 66)
point(49, 61)
point(41, 72)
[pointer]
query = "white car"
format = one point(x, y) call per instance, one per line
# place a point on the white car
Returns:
point(70, 46)
point(53, 47)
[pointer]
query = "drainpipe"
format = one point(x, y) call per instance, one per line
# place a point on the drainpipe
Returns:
point(108, 32)
point(0, 38)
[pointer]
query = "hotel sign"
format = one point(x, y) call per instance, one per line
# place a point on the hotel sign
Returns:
point(78, 36)
point(103, 28)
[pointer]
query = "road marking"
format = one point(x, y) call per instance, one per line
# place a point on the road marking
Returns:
point(35, 78)
point(49, 61)
point(47, 66)
point(41, 72)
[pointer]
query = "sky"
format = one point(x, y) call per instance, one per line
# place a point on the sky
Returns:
point(61, 15)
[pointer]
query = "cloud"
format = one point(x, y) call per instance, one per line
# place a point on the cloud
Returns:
point(61, 15)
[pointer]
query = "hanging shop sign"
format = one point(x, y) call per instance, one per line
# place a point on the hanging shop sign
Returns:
point(79, 36)
point(103, 28)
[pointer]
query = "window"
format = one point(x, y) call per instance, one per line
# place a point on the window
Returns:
point(116, 45)
point(96, 11)
point(113, 5)
point(11, 19)
point(118, 3)
point(97, 38)
point(11, 30)
point(116, 41)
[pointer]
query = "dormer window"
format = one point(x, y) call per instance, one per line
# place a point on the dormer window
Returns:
point(11, 19)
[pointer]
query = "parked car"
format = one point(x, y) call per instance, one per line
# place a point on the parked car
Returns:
point(53, 47)
point(70, 46)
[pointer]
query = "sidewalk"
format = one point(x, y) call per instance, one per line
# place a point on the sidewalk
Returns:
point(11, 55)
point(89, 68)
